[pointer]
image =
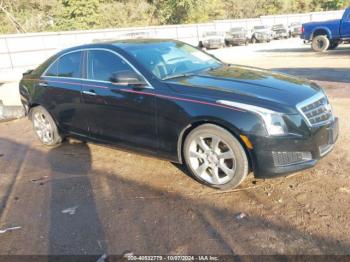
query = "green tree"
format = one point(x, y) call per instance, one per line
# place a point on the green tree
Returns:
point(332, 4)
point(126, 13)
point(77, 14)
point(173, 11)
point(54, 15)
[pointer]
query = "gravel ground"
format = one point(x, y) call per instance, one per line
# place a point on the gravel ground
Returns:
point(88, 199)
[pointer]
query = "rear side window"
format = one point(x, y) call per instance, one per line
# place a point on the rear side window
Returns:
point(102, 65)
point(66, 66)
point(53, 69)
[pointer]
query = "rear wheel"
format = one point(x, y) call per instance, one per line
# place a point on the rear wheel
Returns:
point(215, 157)
point(45, 127)
point(320, 43)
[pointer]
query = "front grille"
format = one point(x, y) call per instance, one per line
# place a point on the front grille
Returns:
point(237, 36)
point(290, 158)
point(316, 110)
point(214, 41)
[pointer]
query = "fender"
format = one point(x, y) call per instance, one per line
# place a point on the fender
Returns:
point(329, 33)
point(207, 120)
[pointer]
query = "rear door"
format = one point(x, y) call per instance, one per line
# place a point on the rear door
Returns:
point(121, 114)
point(345, 26)
point(62, 81)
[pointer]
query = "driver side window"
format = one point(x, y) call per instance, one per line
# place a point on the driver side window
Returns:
point(103, 65)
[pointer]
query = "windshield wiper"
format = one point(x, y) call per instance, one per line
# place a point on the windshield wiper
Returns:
point(177, 76)
point(193, 72)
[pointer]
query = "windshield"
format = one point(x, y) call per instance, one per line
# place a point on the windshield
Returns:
point(211, 34)
point(171, 59)
point(237, 29)
point(260, 27)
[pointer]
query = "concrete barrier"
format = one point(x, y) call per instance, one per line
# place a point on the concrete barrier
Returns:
point(19, 52)
point(10, 112)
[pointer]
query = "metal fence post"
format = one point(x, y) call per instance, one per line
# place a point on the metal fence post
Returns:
point(9, 53)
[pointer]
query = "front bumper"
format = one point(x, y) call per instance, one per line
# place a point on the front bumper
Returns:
point(236, 40)
point(320, 142)
point(262, 38)
point(281, 35)
point(213, 45)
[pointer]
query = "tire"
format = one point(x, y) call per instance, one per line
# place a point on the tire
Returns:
point(202, 158)
point(45, 127)
point(320, 43)
point(333, 45)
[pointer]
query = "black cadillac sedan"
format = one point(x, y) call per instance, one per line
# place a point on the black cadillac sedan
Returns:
point(171, 100)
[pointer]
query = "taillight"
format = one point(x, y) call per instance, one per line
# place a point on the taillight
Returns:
point(302, 29)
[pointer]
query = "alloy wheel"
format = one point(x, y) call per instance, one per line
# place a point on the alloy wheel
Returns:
point(212, 159)
point(43, 128)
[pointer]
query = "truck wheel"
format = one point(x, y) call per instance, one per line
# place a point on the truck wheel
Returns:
point(333, 45)
point(215, 157)
point(320, 43)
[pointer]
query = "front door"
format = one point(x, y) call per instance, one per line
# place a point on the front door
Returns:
point(345, 27)
point(117, 113)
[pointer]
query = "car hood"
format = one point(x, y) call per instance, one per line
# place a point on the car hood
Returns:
point(279, 29)
point(250, 85)
point(264, 31)
point(216, 37)
point(237, 33)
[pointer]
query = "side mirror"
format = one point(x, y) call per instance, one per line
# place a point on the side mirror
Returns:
point(127, 78)
point(28, 72)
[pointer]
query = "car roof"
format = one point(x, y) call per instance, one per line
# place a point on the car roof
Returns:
point(110, 44)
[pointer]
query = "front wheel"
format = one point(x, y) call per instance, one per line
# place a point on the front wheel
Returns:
point(320, 43)
point(215, 157)
point(45, 127)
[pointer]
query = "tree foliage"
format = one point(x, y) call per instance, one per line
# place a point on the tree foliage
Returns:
point(53, 15)
point(77, 14)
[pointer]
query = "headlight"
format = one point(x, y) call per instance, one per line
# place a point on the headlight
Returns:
point(274, 122)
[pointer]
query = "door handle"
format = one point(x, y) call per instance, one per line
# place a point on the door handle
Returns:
point(44, 84)
point(90, 92)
